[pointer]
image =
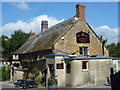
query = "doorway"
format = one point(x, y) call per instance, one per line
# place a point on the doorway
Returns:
point(51, 68)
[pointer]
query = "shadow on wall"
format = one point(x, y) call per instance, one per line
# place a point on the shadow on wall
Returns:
point(115, 81)
point(35, 69)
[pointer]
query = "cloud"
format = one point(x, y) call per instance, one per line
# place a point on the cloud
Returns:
point(21, 5)
point(34, 24)
point(110, 33)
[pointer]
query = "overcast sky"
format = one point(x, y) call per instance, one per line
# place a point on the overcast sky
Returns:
point(101, 16)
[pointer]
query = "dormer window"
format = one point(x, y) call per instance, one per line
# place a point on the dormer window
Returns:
point(84, 51)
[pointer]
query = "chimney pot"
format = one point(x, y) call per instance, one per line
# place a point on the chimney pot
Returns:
point(44, 25)
point(80, 11)
point(31, 33)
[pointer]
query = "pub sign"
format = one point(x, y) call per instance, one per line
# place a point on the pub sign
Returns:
point(15, 57)
point(82, 37)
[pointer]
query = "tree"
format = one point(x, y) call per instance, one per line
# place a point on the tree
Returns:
point(10, 45)
point(118, 49)
point(4, 39)
point(5, 73)
point(18, 38)
point(114, 49)
point(104, 41)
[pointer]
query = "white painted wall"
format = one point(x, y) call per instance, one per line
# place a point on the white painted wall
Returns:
point(116, 65)
point(60, 73)
point(98, 71)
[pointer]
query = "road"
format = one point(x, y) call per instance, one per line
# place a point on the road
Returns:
point(10, 86)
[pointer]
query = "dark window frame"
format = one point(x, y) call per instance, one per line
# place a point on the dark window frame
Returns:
point(84, 51)
point(68, 68)
point(59, 66)
point(84, 65)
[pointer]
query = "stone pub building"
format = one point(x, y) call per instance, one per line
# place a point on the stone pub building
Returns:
point(70, 49)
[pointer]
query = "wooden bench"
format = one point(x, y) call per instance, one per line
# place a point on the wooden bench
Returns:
point(19, 82)
point(26, 84)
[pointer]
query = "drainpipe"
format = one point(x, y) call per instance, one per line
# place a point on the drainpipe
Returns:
point(103, 43)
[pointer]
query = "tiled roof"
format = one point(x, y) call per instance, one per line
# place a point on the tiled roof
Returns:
point(46, 39)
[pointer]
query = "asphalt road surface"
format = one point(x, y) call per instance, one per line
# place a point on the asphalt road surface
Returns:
point(10, 86)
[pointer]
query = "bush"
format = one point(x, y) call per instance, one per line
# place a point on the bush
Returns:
point(5, 73)
point(52, 80)
point(40, 80)
point(0, 73)
point(25, 75)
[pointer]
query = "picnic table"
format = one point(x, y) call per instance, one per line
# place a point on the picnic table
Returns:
point(26, 84)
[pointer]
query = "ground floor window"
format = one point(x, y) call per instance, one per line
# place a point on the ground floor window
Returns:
point(60, 66)
point(16, 64)
point(84, 65)
point(68, 68)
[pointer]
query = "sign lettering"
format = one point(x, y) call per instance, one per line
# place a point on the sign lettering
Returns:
point(82, 37)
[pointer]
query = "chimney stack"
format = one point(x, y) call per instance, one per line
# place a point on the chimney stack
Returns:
point(80, 12)
point(31, 34)
point(44, 25)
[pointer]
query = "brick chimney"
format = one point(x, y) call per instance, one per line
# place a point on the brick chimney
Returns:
point(31, 34)
point(80, 11)
point(44, 25)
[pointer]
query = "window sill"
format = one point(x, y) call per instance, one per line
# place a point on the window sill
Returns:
point(84, 70)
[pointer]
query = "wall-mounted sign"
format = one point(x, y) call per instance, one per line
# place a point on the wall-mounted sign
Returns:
point(82, 37)
point(15, 57)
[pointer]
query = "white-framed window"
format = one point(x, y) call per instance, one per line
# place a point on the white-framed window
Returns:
point(84, 51)
point(84, 65)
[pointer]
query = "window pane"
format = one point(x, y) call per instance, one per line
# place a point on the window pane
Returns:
point(81, 50)
point(60, 66)
point(68, 68)
point(85, 51)
point(84, 64)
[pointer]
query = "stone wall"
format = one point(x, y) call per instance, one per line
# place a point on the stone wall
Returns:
point(69, 44)
point(34, 62)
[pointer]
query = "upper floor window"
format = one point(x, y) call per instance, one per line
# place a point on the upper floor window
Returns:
point(82, 37)
point(84, 51)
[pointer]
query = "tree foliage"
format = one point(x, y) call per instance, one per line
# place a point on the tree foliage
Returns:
point(10, 45)
point(114, 50)
point(5, 75)
point(104, 41)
